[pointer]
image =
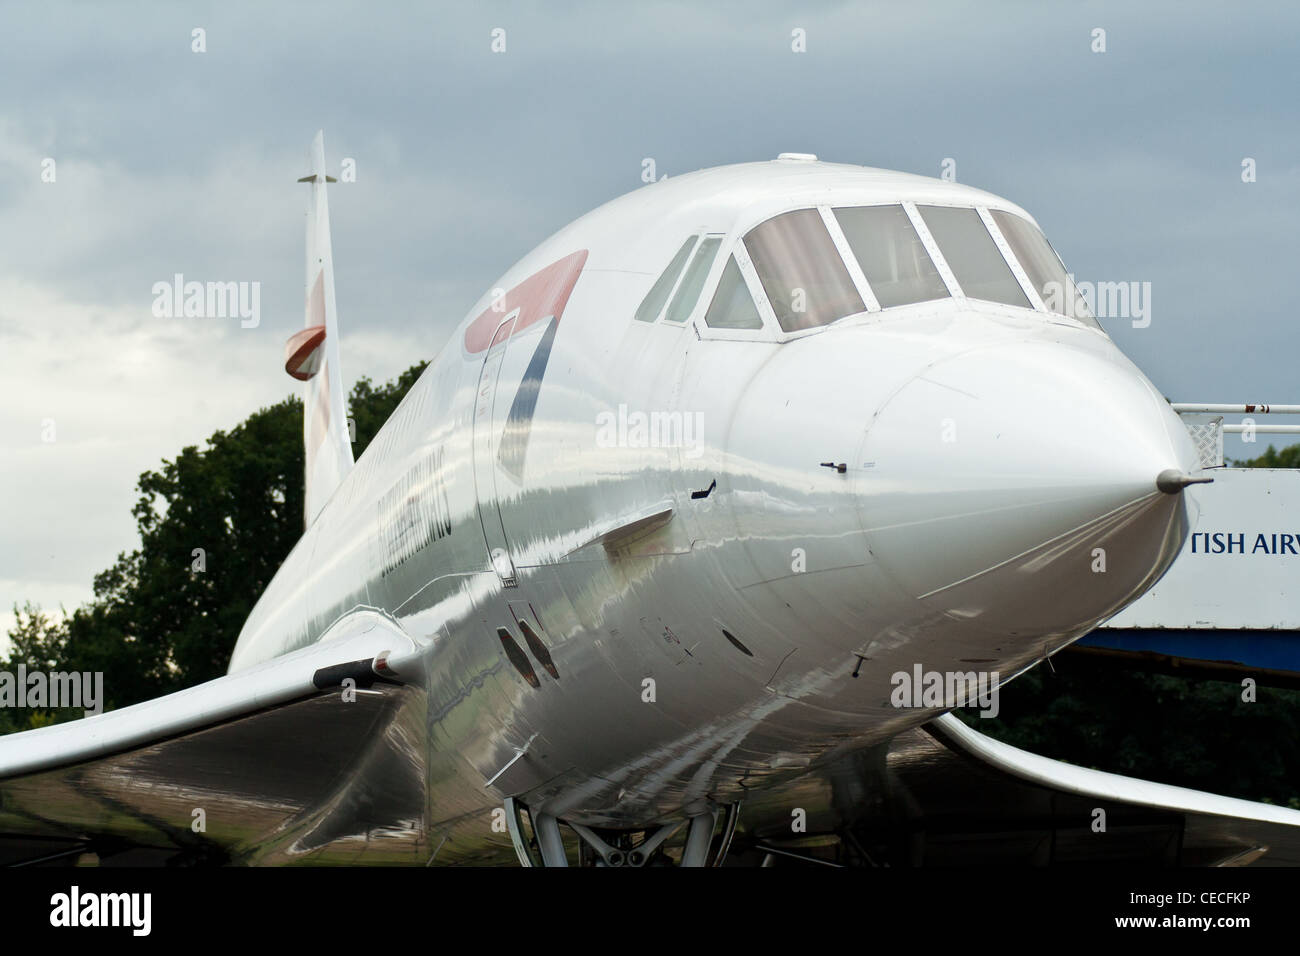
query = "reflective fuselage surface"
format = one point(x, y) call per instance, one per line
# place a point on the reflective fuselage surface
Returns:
point(671, 536)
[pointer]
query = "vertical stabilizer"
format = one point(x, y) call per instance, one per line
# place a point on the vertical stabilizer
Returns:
point(312, 355)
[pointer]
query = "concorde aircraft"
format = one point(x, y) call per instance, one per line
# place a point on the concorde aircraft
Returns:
point(671, 555)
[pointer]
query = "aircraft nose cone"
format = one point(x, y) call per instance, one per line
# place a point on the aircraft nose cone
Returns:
point(1028, 487)
point(1172, 481)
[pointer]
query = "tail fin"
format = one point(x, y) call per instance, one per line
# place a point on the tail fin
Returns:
point(312, 355)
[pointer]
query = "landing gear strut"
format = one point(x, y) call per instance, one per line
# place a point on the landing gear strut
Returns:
point(617, 847)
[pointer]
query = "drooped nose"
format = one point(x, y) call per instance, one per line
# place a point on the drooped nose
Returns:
point(1028, 487)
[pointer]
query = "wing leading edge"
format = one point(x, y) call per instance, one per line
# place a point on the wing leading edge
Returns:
point(273, 764)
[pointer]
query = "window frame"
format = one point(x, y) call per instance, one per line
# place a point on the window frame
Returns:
point(728, 247)
point(865, 292)
point(927, 242)
point(697, 236)
point(771, 332)
point(1002, 248)
point(932, 248)
point(733, 244)
point(985, 211)
point(710, 280)
point(747, 272)
point(1037, 299)
point(1018, 270)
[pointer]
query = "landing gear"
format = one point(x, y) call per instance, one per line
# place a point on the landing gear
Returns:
point(600, 847)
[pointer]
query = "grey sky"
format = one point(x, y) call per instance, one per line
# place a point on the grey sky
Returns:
point(172, 161)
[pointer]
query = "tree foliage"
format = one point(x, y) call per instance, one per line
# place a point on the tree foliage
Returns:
point(1288, 457)
point(1177, 730)
point(215, 523)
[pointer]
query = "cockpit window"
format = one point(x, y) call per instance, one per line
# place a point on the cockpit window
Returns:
point(972, 255)
point(653, 303)
point(732, 306)
point(1044, 268)
point(801, 271)
point(891, 255)
point(683, 304)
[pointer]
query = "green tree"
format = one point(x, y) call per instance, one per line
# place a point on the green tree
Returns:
point(1177, 730)
point(1288, 457)
point(215, 523)
point(40, 641)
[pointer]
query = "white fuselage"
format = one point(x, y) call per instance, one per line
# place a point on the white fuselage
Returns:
point(658, 483)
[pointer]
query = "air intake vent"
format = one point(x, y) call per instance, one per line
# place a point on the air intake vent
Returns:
point(737, 643)
point(539, 649)
point(517, 657)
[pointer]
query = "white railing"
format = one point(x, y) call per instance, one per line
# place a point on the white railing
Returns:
point(1181, 407)
point(1205, 424)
